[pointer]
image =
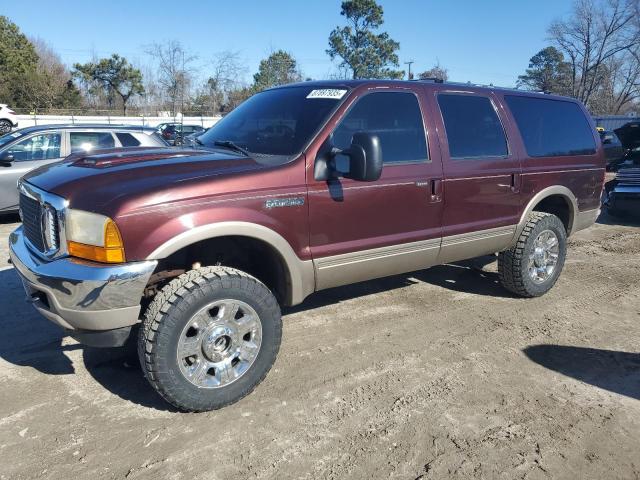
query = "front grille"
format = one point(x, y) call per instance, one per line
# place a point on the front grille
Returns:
point(628, 176)
point(31, 212)
point(35, 218)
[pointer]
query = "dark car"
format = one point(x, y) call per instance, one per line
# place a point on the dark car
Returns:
point(33, 147)
point(614, 151)
point(629, 135)
point(174, 133)
point(622, 194)
point(299, 189)
point(191, 139)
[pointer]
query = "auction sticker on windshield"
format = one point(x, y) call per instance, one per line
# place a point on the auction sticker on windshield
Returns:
point(334, 93)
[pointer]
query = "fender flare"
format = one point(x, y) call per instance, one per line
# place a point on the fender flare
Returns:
point(301, 272)
point(545, 193)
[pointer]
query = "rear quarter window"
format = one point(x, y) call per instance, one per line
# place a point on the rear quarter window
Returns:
point(551, 128)
point(127, 140)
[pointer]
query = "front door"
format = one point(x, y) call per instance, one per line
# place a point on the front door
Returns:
point(364, 230)
point(29, 153)
point(481, 175)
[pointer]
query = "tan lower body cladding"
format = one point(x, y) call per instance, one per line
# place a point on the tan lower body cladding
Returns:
point(407, 257)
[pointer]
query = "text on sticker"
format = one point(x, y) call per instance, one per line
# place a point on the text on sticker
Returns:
point(334, 93)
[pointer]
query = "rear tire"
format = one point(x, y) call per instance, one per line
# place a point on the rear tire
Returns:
point(5, 126)
point(209, 338)
point(532, 266)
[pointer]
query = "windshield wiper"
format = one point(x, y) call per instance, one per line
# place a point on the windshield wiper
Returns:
point(232, 146)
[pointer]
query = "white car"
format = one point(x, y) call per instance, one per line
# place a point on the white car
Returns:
point(8, 119)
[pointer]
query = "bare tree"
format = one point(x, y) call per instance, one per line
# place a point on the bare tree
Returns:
point(597, 35)
point(437, 71)
point(226, 76)
point(175, 71)
point(50, 85)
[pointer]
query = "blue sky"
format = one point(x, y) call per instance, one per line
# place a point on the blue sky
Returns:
point(486, 41)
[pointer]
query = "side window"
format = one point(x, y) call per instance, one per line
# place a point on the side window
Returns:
point(38, 147)
point(473, 127)
point(551, 128)
point(127, 140)
point(395, 117)
point(88, 141)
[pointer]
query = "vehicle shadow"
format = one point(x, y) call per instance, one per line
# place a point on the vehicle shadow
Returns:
point(29, 340)
point(616, 371)
point(468, 276)
point(118, 370)
point(9, 218)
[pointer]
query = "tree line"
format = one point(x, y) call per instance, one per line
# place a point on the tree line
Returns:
point(593, 55)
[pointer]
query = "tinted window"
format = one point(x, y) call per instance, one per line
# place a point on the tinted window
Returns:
point(276, 122)
point(9, 137)
point(38, 147)
point(127, 140)
point(395, 117)
point(88, 141)
point(551, 127)
point(473, 127)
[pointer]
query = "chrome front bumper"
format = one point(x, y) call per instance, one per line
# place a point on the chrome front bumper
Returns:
point(77, 294)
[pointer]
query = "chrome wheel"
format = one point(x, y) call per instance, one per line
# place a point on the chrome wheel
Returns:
point(219, 343)
point(544, 256)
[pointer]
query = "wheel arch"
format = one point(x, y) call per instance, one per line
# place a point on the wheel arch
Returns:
point(300, 277)
point(558, 200)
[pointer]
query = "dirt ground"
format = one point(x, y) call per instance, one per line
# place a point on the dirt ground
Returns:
point(436, 374)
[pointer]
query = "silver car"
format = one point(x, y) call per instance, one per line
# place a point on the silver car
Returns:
point(32, 147)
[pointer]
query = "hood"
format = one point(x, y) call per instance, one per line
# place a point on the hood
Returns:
point(629, 135)
point(107, 180)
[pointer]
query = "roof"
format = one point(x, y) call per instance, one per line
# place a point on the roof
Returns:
point(404, 83)
point(83, 126)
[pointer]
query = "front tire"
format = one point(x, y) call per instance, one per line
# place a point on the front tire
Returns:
point(209, 338)
point(532, 266)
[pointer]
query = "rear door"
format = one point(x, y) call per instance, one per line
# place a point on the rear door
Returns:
point(31, 152)
point(482, 174)
point(363, 230)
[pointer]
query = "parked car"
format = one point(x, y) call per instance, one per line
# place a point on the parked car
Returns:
point(301, 188)
point(8, 119)
point(32, 147)
point(614, 151)
point(174, 133)
point(191, 138)
point(622, 194)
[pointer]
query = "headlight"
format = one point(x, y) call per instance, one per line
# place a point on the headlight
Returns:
point(93, 237)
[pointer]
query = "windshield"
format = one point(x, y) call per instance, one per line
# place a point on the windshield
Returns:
point(275, 123)
point(9, 137)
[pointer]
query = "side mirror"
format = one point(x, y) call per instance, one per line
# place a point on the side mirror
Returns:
point(365, 154)
point(7, 159)
point(365, 159)
point(607, 140)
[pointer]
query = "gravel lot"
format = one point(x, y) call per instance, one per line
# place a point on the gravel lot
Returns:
point(435, 374)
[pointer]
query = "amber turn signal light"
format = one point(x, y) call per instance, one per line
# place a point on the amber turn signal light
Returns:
point(111, 252)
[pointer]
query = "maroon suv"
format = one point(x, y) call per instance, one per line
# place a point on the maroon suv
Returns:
point(301, 188)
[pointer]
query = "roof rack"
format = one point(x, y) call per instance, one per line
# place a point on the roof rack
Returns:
point(428, 79)
point(470, 84)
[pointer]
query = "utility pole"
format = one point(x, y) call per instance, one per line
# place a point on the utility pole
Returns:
point(409, 77)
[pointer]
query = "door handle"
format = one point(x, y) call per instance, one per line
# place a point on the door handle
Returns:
point(515, 182)
point(436, 190)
